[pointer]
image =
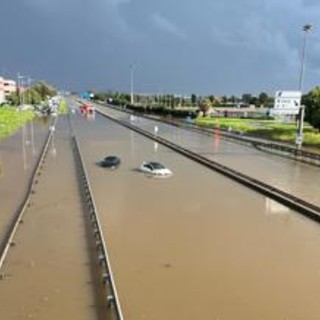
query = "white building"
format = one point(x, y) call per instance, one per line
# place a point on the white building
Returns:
point(2, 97)
point(7, 86)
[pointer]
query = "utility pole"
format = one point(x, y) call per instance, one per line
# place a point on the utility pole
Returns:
point(20, 83)
point(131, 76)
point(29, 89)
point(299, 138)
point(19, 93)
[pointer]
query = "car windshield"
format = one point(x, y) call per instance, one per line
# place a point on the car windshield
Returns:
point(156, 165)
point(111, 159)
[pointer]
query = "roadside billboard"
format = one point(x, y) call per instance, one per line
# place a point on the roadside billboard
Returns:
point(286, 103)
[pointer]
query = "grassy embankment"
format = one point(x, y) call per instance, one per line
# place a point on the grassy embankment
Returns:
point(11, 120)
point(63, 107)
point(269, 129)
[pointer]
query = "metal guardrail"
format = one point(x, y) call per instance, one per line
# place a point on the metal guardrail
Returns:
point(279, 149)
point(106, 273)
point(103, 256)
point(308, 209)
point(276, 148)
point(17, 218)
point(290, 152)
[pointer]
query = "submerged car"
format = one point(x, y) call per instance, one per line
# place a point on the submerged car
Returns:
point(111, 162)
point(155, 169)
point(86, 109)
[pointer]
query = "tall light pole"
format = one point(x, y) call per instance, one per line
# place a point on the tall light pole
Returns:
point(131, 77)
point(19, 88)
point(29, 89)
point(20, 84)
point(299, 139)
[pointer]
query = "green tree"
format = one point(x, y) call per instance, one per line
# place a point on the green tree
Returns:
point(193, 99)
point(172, 101)
point(205, 106)
point(312, 105)
point(246, 97)
point(224, 99)
point(254, 100)
point(45, 90)
point(233, 99)
point(212, 99)
point(31, 96)
point(13, 98)
point(100, 96)
point(263, 98)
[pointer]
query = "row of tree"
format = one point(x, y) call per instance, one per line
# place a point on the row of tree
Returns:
point(311, 101)
point(261, 100)
point(36, 94)
point(173, 101)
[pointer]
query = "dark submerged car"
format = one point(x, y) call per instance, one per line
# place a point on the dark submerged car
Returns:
point(111, 162)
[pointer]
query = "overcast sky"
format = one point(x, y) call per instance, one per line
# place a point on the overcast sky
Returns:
point(226, 47)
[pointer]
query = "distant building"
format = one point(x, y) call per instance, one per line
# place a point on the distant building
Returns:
point(7, 87)
point(2, 98)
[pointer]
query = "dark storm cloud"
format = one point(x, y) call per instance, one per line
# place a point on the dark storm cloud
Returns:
point(226, 47)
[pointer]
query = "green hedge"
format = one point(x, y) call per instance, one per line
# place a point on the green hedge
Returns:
point(162, 111)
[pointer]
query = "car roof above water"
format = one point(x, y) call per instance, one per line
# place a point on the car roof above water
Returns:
point(155, 165)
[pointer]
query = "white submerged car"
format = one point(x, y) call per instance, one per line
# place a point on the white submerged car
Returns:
point(155, 169)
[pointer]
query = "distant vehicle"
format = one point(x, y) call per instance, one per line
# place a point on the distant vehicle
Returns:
point(86, 108)
point(155, 169)
point(111, 162)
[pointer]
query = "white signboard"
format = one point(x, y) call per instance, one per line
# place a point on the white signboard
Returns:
point(286, 103)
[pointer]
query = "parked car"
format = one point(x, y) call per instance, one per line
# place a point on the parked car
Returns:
point(155, 169)
point(111, 162)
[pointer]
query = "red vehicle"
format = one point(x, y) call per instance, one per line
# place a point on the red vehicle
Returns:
point(86, 108)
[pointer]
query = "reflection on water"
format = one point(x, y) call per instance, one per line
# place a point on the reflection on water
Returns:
point(19, 153)
point(216, 140)
point(132, 142)
point(24, 151)
point(43, 121)
point(297, 178)
point(155, 146)
point(53, 147)
point(29, 148)
point(197, 245)
point(88, 116)
point(32, 138)
point(274, 207)
point(48, 275)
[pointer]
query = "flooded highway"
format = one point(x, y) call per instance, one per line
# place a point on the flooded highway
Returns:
point(293, 177)
point(49, 273)
point(193, 246)
point(18, 155)
point(198, 245)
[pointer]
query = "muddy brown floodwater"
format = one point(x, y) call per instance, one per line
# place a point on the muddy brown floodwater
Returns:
point(49, 273)
point(18, 155)
point(197, 245)
point(293, 177)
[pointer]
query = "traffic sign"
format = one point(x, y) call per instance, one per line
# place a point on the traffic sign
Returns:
point(286, 103)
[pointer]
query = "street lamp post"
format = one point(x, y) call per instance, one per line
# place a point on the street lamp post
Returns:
point(19, 88)
point(131, 74)
point(299, 139)
point(21, 83)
